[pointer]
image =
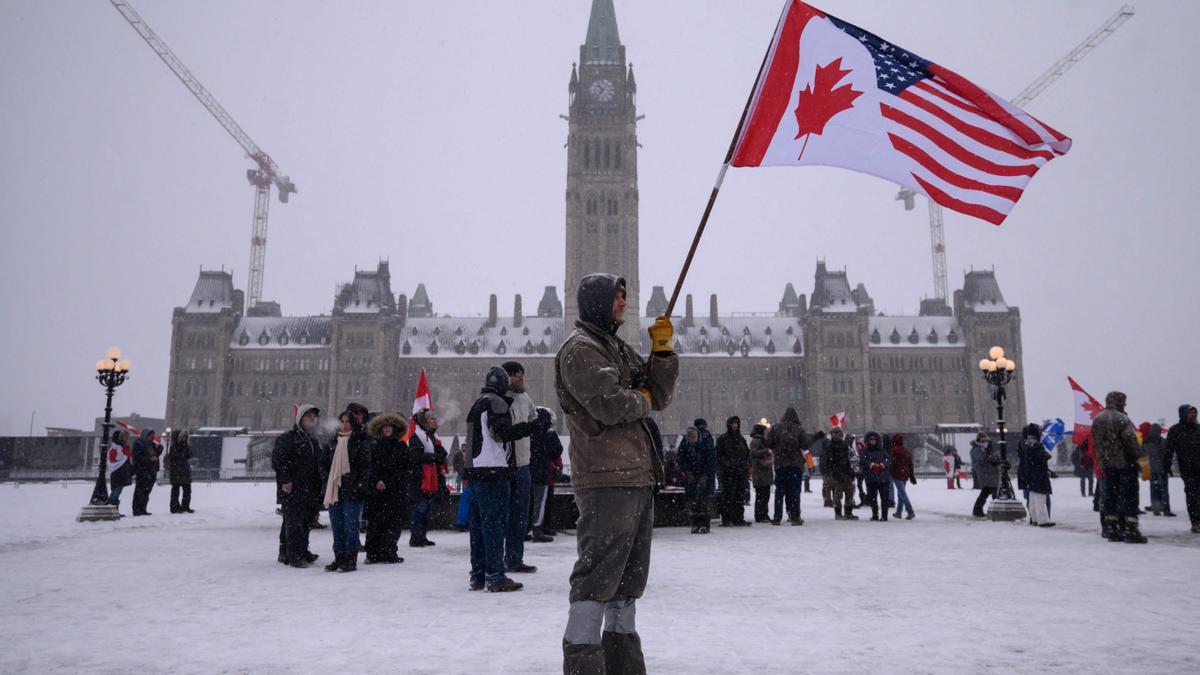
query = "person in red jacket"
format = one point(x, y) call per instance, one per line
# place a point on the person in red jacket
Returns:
point(902, 473)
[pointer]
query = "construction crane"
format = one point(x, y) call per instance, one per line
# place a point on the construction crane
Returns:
point(261, 178)
point(937, 235)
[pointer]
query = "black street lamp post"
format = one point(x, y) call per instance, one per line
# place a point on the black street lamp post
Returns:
point(998, 371)
point(111, 372)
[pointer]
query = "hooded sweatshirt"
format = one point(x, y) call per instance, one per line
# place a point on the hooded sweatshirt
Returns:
point(1183, 442)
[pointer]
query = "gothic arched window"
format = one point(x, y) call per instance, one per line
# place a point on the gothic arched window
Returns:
point(587, 154)
point(607, 155)
point(617, 153)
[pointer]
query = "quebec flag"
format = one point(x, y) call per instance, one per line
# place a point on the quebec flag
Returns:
point(1052, 433)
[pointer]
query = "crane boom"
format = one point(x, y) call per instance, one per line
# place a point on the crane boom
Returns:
point(262, 178)
point(937, 234)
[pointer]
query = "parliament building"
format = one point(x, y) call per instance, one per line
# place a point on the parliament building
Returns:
point(821, 352)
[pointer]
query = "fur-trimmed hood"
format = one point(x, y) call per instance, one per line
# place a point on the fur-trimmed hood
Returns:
point(377, 423)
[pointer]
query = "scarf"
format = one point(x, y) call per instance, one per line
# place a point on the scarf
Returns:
point(339, 467)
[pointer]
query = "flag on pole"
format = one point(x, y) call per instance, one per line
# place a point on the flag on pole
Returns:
point(1052, 433)
point(834, 94)
point(422, 401)
point(838, 420)
point(1086, 409)
point(136, 432)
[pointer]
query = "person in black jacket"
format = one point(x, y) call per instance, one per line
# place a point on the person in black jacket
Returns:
point(428, 459)
point(838, 471)
point(544, 448)
point(346, 464)
point(298, 485)
point(179, 469)
point(733, 459)
point(488, 464)
point(391, 470)
point(145, 467)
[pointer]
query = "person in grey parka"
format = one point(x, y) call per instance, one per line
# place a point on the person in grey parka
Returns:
point(985, 460)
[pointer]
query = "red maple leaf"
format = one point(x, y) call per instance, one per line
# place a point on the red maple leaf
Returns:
point(820, 101)
point(1092, 407)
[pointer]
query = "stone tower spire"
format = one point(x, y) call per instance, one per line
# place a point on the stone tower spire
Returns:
point(602, 190)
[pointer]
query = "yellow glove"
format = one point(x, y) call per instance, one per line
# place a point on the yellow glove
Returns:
point(661, 335)
point(646, 393)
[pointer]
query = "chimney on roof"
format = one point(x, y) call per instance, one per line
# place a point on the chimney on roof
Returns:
point(402, 307)
point(689, 317)
point(239, 302)
point(491, 320)
point(518, 313)
point(713, 318)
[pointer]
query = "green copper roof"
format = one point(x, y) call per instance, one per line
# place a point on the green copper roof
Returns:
point(603, 41)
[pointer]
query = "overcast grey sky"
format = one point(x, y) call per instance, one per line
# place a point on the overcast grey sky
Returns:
point(428, 133)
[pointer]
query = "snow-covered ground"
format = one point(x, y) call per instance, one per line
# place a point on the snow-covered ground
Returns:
point(943, 593)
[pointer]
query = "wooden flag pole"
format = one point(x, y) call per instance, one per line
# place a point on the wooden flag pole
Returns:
point(712, 198)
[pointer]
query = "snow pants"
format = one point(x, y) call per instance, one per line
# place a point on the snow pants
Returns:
point(1191, 490)
point(293, 531)
point(762, 503)
point(1121, 496)
point(613, 537)
point(1039, 511)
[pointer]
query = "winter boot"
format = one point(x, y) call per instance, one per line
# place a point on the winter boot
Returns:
point(505, 585)
point(910, 516)
point(837, 512)
point(336, 564)
point(522, 568)
point(623, 653)
point(695, 529)
point(415, 541)
point(583, 659)
point(1110, 528)
point(1133, 535)
point(350, 562)
point(283, 557)
point(829, 504)
point(540, 537)
point(310, 557)
point(884, 515)
point(1196, 527)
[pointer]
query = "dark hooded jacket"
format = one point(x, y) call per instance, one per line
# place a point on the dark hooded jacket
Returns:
point(544, 448)
point(391, 465)
point(835, 460)
point(787, 440)
point(488, 440)
point(875, 460)
point(1114, 436)
point(1183, 443)
point(902, 461)
point(985, 460)
point(179, 460)
point(1033, 472)
point(294, 459)
point(597, 378)
point(733, 454)
point(145, 456)
point(698, 460)
point(764, 463)
point(1155, 447)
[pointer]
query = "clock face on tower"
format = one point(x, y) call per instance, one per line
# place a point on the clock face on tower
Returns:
point(602, 90)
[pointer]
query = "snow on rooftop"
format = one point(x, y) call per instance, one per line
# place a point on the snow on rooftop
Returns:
point(750, 336)
point(914, 331)
point(286, 332)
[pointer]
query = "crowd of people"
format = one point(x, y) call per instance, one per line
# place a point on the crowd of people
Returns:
point(388, 472)
point(138, 463)
point(868, 472)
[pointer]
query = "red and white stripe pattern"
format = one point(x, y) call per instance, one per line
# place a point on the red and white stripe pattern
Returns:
point(909, 120)
point(963, 157)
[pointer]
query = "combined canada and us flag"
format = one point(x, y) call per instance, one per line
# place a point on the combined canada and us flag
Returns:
point(833, 94)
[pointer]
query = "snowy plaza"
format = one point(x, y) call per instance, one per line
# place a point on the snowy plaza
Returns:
point(943, 593)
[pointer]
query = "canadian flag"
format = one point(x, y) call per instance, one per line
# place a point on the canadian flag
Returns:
point(1086, 409)
point(423, 401)
point(838, 420)
point(136, 432)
